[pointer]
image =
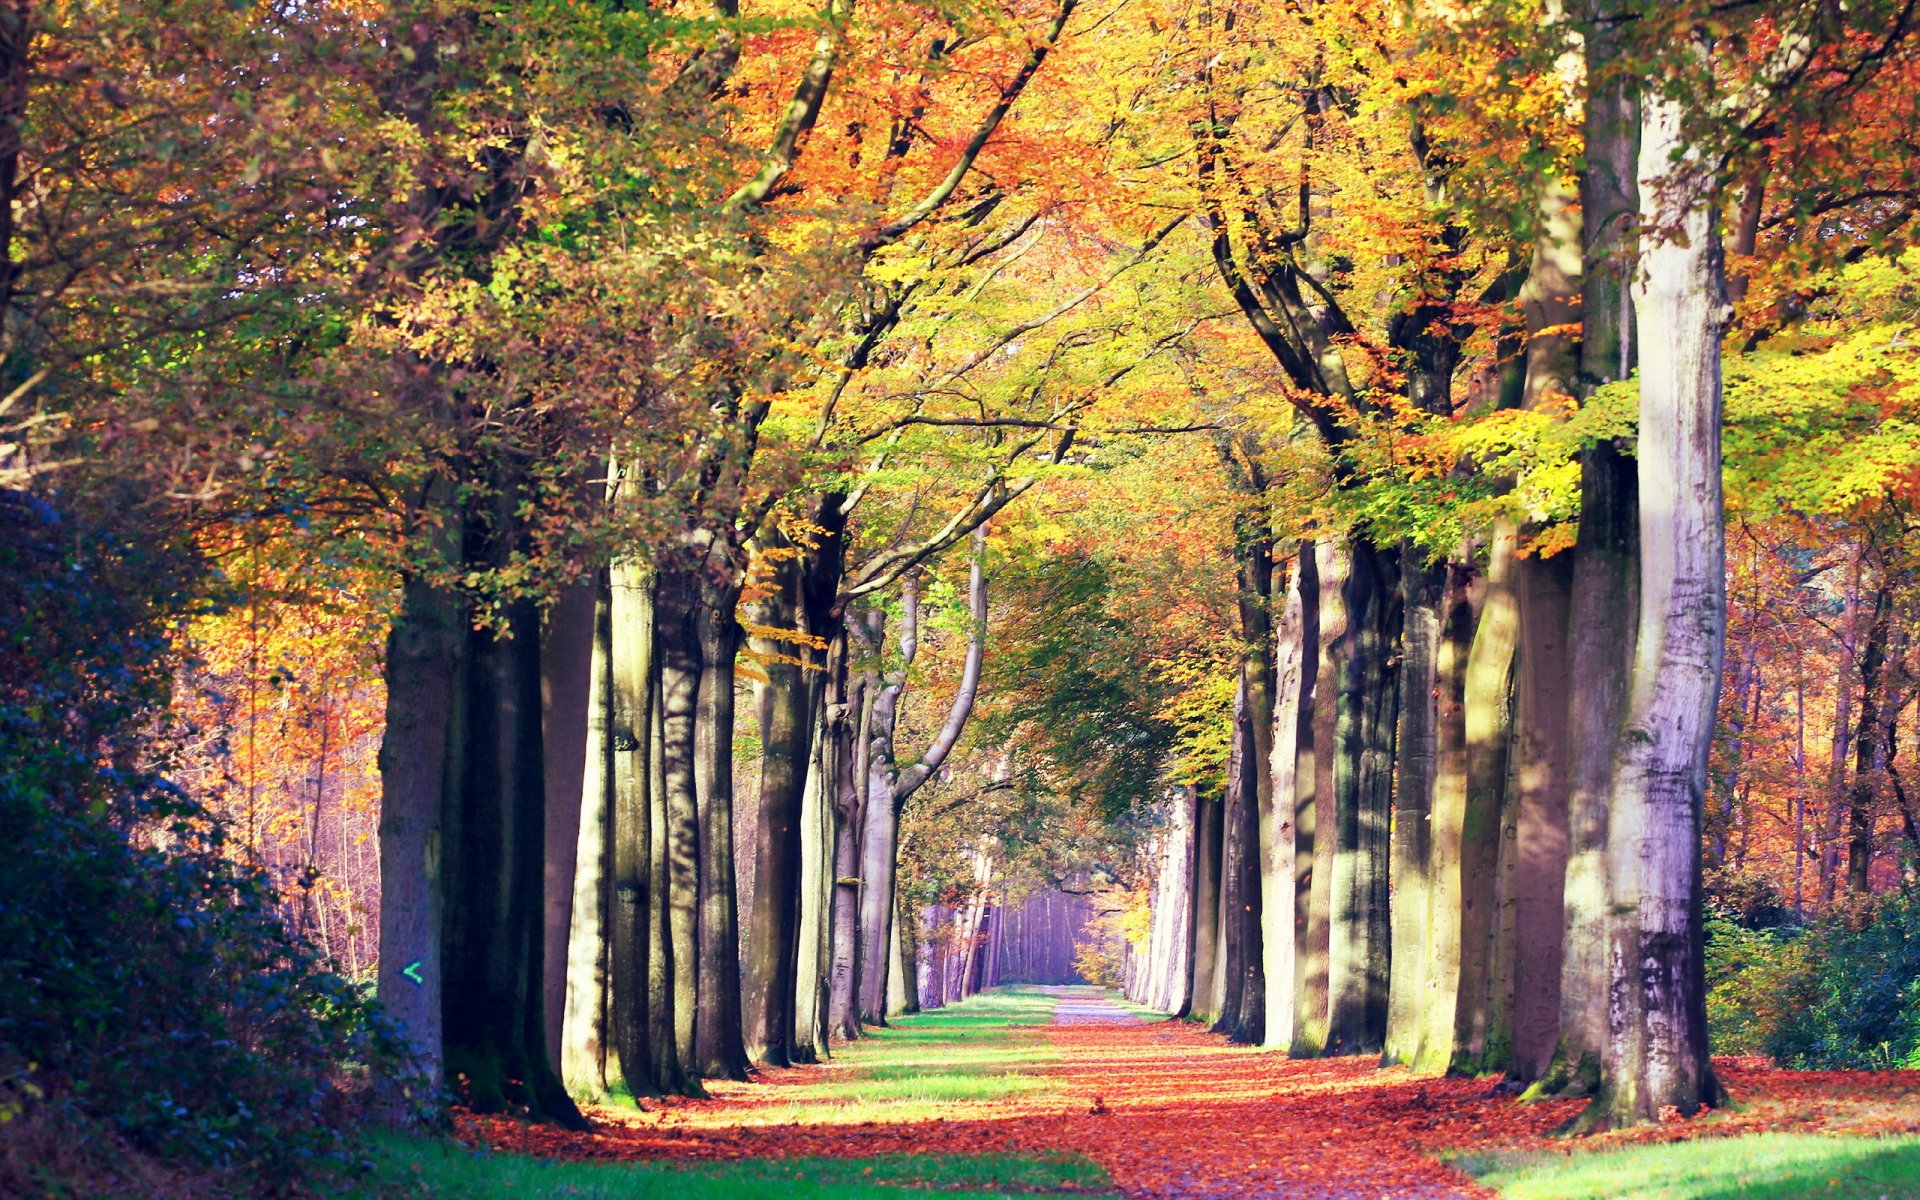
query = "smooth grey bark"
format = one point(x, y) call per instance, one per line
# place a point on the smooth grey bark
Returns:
point(422, 668)
point(1202, 1003)
point(719, 1042)
point(1417, 754)
point(1368, 699)
point(1605, 556)
point(1333, 564)
point(584, 1032)
point(566, 652)
point(1279, 843)
point(848, 778)
point(1656, 1054)
point(1482, 1033)
point(628, 888)
point(1433, 1050)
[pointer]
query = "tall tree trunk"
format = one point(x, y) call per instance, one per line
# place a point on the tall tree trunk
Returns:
point(1605, 555)
point(1540, 753)
point(492, 918)
point(813, 957)
point(585, 1036)
point(1209, 828)
point(1368, 700)
point(1656, 1055)
point(678, 650)
point(1239, 885)
point(1483, 1035)
point(423, 668)
point(628, 904)
point(719, 1045)
point(802, 599)
point(1295, 651)
point(1316, 820)
point(1250, 781)
point(1871, 743)
point(849, 788)
point(566, 654)
point(670, 981)
point(1434, 1049)
point(1844, 684)
point(771, 956)
point(1417, 753)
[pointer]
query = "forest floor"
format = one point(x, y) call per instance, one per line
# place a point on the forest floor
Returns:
point(1072, 1093)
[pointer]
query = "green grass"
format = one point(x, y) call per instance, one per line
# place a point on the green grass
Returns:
point(978, 1050)
point(1770, 1166)
point(423, 1169)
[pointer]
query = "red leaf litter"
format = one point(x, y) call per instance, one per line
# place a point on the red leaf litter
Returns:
point(1175, 1112)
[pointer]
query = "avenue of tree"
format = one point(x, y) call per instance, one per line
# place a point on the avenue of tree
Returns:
point(825, 473)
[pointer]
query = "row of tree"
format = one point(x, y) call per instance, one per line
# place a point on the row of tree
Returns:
point(645, 361)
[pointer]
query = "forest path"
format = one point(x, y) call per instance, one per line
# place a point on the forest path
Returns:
point(1171, 1111)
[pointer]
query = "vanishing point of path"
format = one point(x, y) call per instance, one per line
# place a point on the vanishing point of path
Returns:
point(1168, 1109)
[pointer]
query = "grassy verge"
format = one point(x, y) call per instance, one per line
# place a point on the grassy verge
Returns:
point(1770, 1166)
point(950, 1063)
point(421, 1169)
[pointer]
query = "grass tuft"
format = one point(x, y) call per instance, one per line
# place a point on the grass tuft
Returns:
point(1769, 1166)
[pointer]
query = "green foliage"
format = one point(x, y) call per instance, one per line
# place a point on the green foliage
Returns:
point(1843, 994)
point(1090, 708)
point(1749, 974)
point(154, 998)
point(1856, 1003)
point(1768, 1166)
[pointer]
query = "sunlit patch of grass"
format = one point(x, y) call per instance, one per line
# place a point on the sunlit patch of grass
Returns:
point(1767, 1166)
point(948, 1063)
point(408, 1168)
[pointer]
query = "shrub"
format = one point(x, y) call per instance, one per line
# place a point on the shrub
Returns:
point(154, 1001)
point(1855, 1001)
point(1842, 994)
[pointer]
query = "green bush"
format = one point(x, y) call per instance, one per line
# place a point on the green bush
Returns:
point(153, 1000)
point(1842, 994)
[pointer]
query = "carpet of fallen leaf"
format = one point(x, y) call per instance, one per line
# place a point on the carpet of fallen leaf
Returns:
point(1173, 1112)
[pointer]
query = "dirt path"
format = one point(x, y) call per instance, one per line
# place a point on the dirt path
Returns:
point(1175, 1113)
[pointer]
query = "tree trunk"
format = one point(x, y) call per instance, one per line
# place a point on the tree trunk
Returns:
point(492, 918)
point(1871, 748)
point(1316, 816)
point(1434, 1050)
point(423, 667)
point(719, 1046)
point(1540, 752)
point(848, 783)
point(786, 702)
point(1605, 556)
point(1209, 826)
point(1656, 1055)
point(1423, 589)
point(1239, 884)
point(1249, 784)
point(585, 1037)
point(566, 654)
point(678, 652)
point(1483, 1035)
point(1279, 846)
point(1368, 700)
point(630, 691)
